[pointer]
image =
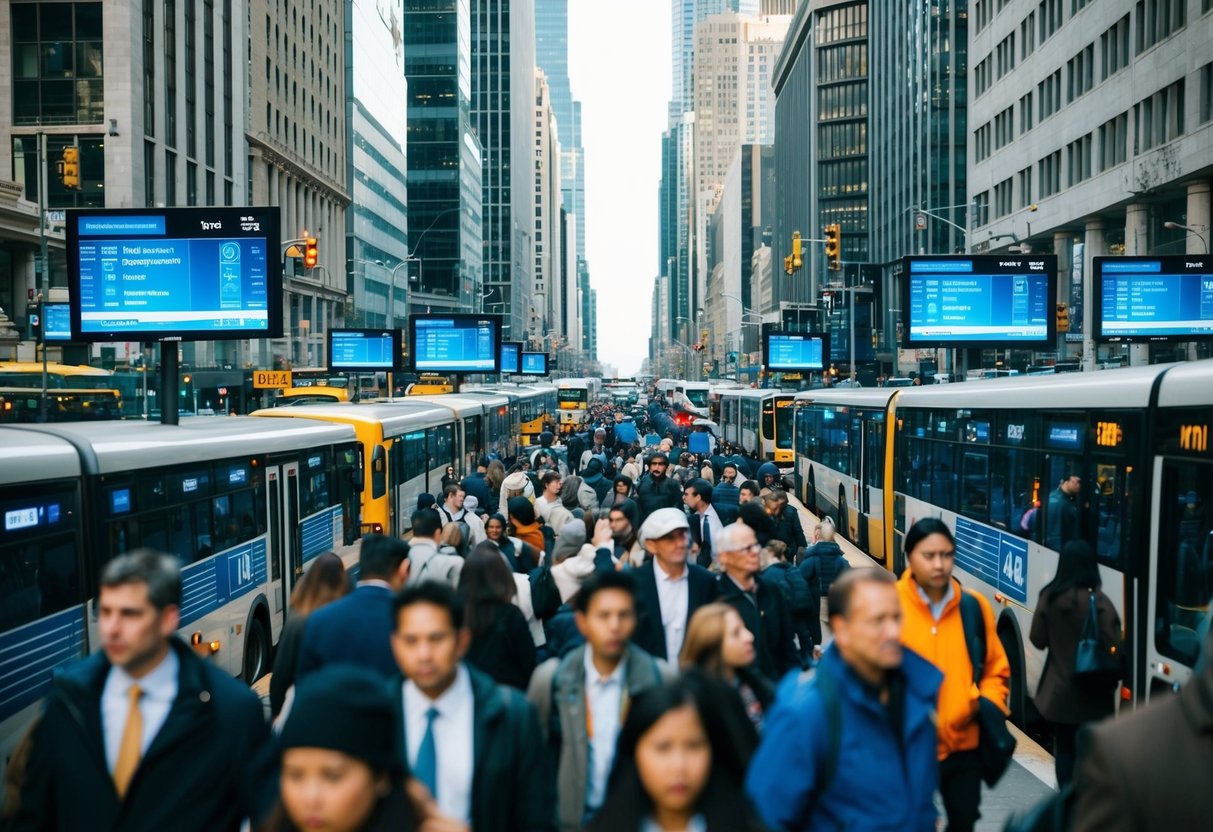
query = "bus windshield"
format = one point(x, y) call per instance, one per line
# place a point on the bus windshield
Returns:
point(699, 398)
point(573, 396)
point(783, 424)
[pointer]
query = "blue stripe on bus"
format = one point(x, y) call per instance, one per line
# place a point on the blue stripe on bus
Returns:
point(998, 558)
point(29, 656)
point(320, 530)
point(208, 585)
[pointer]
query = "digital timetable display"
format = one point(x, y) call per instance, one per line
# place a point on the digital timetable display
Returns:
point(174, 273)
point(510, 351)
point(796, 351)
point(1153, 298)
point(534, 363)
point(366, 350)
point(56, 322)
point(987, 300)
point(455, 343)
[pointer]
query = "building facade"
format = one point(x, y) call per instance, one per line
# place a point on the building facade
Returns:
point(445, 160)
point(546, 289)
point(1092, 129)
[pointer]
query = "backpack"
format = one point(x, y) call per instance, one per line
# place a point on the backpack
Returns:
point(996, 745)
point(465, 530)
point(795, 587)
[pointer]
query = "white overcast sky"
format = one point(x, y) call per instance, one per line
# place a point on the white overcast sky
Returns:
point(619, 68)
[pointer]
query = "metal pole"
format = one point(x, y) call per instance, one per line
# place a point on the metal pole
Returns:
point(43, 202)
point(170, 362)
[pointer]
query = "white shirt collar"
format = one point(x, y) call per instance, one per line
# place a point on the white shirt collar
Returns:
point(592, 676)
point(665, 578)
point(451, 700)
point(160, 683)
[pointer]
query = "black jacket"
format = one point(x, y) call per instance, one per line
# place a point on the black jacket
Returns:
point(506, 649)
point(822, 564)
point(775, 651)
point(477, 485)
point(650, 635)
point(207, 768)
point(789, 529)
point(653, 493)
point(513, 785)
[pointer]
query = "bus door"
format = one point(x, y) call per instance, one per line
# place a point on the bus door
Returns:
point(871, 481)
point(286, 549)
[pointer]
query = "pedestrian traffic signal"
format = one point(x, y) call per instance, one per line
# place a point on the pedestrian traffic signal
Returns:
point(71, 167)
point(310, 253)
point(797, 261)
point(832, 251)
point(1063, 318)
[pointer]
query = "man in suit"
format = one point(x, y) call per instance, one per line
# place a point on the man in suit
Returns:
point(145, 735)
point(475, 745)
point(357, 629)
point(668, 589)
point(1150, 769)
point(706, 520)
point(760, 603)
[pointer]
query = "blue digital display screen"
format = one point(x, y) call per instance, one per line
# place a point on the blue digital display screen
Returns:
point(57, 322)
point(534, 363)
point(1154, 298)
point(980, 300)
point(1065, 436)
point(796, 351)
point(509, 356)
point(363, 349)
point(178, 273)
point(120, 501)
point(455, 343)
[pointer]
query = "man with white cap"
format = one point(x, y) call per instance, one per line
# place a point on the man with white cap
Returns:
point(668, 589)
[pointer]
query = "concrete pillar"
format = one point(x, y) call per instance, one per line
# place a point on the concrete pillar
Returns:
point(1137, 241)
point(1093, 246)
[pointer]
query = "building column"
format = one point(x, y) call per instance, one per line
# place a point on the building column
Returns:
point(1093, 246)
point(1198, 215)
point(1137, 241)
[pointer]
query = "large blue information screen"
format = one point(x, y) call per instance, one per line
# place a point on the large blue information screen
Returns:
point(509, 356)
point(363, 349)
point(534, 363)
point(1154, 298)
point(175, 273)
point(997, 300)
point(455, 343)
point(795, 351)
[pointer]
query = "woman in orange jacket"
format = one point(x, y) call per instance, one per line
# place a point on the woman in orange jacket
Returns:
point(933, 628)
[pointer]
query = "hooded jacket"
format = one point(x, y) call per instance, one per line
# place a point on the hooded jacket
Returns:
point(594, 479)
point(430, 562)
point(526, 525)
point(943, 644)
point(768, 468)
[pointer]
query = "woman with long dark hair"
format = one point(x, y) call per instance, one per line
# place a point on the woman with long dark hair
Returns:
point(324, 581)
point(1057, 625)
point(502, 644)
point(675, 767)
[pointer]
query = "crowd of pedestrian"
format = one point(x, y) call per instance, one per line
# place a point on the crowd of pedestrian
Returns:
point(607, 634)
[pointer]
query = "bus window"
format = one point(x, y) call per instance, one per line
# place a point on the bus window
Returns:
point(1015, 492)
point(1108, 511)
point(874, 450)
point(378, 472)
point(783, 426)
point(975, 484)
point(1185, 558)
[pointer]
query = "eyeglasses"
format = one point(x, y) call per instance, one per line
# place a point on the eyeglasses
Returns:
point(753, 547)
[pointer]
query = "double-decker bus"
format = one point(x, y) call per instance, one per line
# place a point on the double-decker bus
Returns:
point(73, 393)
point(243, 504)
point(759, 422)
point(985, 456)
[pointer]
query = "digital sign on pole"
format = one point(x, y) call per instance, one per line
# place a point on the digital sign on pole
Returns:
point(178, 274)
point(510, 350)
point(364, 350)
point(791, 352)
point(980, 300)
point(455, 343)
point(1153, 298)
point(534, 363)
point(56, 322)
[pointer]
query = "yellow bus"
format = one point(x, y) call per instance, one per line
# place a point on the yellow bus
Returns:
point(74, 393)
point(532, 406)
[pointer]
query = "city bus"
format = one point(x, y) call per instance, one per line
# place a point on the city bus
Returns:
point(74, 393)
point(243, 504)
point(759, 422)
point(985, 456)
point(532, 406)
point(697, 394)
point(573, 396)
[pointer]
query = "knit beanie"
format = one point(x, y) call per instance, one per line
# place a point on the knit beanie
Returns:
point(345, 708)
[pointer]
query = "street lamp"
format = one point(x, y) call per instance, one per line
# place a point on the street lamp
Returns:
point(1191, 230)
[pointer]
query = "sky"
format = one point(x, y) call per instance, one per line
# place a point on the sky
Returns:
point(619, 68)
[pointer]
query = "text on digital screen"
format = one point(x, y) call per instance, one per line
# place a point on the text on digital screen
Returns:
point(980, 299)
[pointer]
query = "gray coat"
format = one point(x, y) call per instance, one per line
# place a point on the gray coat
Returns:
point(561, 682)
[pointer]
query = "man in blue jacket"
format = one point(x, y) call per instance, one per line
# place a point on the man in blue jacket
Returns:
point(868, 706)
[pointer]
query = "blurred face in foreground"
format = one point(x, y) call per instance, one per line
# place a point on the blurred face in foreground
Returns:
point(869, 635)
point(674, 760)
point(328, 791)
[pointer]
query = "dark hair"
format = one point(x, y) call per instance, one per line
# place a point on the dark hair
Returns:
point(702, 488)
point(452, 488)
point(380, 556)
point(722, 802)
point(1076, 567)
point(547, 478)
point(485, 582)
point(426, 522)
point(838, 601)
point(434, 593)
point(146, 566)
point(624, 478)
point(751, 486)
point(752, 514)
point(601, 582)
point(505, 526)
point(324, 581)
point(923, 529)
point(776, 495)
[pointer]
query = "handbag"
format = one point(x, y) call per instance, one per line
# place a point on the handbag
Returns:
point(996, 744)
point(1096, 663)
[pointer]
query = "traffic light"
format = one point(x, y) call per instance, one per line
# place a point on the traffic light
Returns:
point(787, 264)
point(797, 262)
point(1063, 318)
point(310, 253)
point(832, 250)
point(71, 167)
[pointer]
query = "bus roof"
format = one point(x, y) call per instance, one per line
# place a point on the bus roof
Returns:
point(877, 397)
point(26, 457)
point(396, 417)
point(1186, 385)
point(52, 367)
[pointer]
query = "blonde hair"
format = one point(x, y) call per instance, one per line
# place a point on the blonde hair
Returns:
point(452, 536)
point(704, 642)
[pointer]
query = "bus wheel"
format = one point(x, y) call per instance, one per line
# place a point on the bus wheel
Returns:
point(256, 651)
point(842, 523)
point(1017, 696)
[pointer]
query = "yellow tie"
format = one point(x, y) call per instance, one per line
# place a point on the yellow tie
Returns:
point(131, 748)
